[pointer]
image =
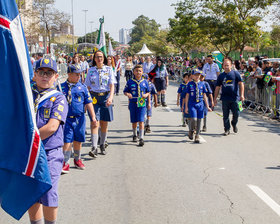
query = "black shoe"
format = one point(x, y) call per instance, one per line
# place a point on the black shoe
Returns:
point(164, 104)
point(227, 132)
point(102, 149)
point(93, 153)
point(204, 129)
point(106, 144)
point(184, 125)
point(141, 142)
point(234, 127)
point(191, 135)
point(134, 138)
point(148, 129)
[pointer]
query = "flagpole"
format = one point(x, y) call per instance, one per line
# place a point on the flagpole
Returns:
point(72, 28)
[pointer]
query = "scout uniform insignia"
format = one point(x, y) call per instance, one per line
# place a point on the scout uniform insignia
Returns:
point(94, 100)
point(60, 108)
point(47, 112)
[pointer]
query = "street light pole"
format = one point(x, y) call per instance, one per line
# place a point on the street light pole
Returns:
point(91, 22)
point(72, 27)
point(85, 10)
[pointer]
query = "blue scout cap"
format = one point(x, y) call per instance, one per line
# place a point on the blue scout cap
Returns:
point(74, 69)
point(197, 71)
point(46, 62)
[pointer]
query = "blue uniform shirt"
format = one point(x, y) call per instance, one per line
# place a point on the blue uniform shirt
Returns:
point(56, 108)
point(152, 90)
point(230, 88)
point(136, 88)
point(161, 73)
point(80, 97)
point(99, 80)
point(208, 88)
point(195, 95)
point(181, 89)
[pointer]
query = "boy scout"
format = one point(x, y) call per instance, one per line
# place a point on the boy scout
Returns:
point(51, 110)
point(137, 90)
point(78, 98)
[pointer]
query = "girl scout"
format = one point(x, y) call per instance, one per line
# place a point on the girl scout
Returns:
point(100, 82)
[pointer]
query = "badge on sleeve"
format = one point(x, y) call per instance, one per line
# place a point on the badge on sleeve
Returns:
point(60, 108)
point(94, 100)
point(47, 112)
point(79, 99)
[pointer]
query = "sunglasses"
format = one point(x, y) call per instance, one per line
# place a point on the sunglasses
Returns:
point(49, 74)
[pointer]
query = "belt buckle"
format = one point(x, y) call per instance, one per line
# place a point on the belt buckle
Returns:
point(101, 94)
point(71, 116)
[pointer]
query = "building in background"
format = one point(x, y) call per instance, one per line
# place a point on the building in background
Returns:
point(124, 36)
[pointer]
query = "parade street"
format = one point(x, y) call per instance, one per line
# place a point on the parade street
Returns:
point(223, 180)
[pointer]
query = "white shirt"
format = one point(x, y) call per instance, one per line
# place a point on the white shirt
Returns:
point(210, 70)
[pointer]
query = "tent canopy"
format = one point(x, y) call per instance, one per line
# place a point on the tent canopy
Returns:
point(145, 50)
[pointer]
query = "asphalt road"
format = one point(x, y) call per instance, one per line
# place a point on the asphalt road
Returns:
point(224, 180)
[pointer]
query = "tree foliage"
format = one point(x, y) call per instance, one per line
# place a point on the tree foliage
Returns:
point(143, 26)
point(227, 24)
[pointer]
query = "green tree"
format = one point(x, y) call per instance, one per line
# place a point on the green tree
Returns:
point(275, 35)
point(143, 26)
point(92, 38)
point(50, 19)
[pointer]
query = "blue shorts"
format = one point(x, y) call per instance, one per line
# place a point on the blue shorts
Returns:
point(196, 110)
point(55, 159)
point(102, 112)
point(75, 129)
point(137, 114)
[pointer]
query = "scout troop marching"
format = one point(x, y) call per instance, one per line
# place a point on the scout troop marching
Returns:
point(60, 115)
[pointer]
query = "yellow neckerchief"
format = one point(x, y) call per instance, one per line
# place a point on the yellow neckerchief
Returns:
point(39, 94)
point(138, 86)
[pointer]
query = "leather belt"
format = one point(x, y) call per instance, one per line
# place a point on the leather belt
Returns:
point(99, 94)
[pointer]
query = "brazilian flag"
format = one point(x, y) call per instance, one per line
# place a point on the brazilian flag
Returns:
point(267, 78)
point(240, 106)
point(141, 102)
point(273, 87)
point(247, 74)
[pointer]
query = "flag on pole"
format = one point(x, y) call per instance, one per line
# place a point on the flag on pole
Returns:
point(101, 41)
point(24, 174)
point(110, 49)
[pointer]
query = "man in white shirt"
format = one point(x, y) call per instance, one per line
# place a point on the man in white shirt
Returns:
point(211, 71)
point(147, 65)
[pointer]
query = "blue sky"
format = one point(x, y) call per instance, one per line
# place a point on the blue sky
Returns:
point(118, 14)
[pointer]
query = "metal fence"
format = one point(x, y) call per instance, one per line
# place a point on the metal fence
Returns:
point(265, 100)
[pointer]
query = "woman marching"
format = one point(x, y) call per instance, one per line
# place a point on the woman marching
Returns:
point(161, 80)
point(100, 82)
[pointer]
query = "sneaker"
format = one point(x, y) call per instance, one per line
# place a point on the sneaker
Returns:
point(102, 149)
point(164, 104)
point(141, 142)
point(66, 168)
point(191, 135)
point(93, 153)
point(197, 139)
point(204, 129)
point(79, 164)
point(227, 132)
point(106, 144)
point(148, 129)
point(134, 138)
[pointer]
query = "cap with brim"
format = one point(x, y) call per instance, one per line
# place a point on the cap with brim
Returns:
point(197, 71)
point(74, 69)
point(46, 62)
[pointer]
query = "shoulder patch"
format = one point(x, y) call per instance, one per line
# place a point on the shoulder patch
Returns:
point(53, 99)
point(60, 108)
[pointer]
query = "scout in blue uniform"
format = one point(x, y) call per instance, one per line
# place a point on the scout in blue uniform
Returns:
point(78, 99)
point(181, 88)
point(149, 105)
point(210, 100)
point(51, 110)
point(100, 82)
point(196, 94)
point(137, 90)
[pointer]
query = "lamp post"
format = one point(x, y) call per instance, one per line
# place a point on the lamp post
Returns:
point(91, 22)
point(85, 11)
point(72, 27)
